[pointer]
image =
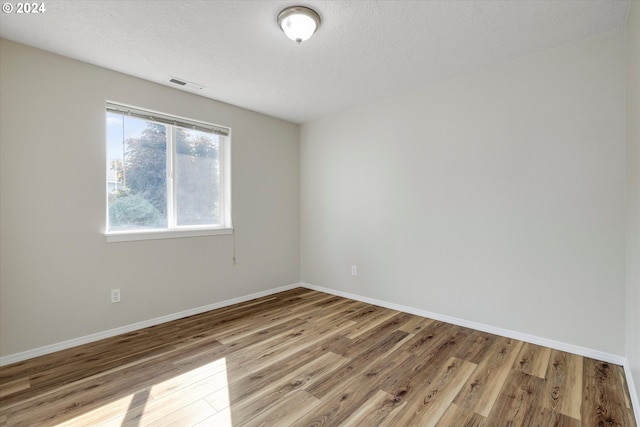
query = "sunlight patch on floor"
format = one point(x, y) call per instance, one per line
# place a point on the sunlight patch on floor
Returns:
point(197, 397)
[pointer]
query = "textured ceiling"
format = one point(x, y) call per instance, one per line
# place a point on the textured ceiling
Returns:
point(364, 50)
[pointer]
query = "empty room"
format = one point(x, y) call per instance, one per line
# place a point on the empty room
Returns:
point(336, 213)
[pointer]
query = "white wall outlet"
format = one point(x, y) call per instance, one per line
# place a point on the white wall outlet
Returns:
point(354, 270)
point(115, 295)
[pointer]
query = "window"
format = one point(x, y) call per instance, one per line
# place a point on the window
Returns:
point(166, 176)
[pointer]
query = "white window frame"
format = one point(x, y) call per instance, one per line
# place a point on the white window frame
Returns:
point(173, 230)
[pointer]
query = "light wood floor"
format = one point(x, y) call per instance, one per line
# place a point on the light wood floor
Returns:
point(306, 358)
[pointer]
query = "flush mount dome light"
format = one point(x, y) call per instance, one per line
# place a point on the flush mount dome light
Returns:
point(299, 22)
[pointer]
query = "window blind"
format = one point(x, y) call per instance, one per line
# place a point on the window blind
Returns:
point(167, 119)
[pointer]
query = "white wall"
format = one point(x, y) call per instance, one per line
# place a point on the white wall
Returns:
point(56, 269)
point(496, 197)
point(633, 191)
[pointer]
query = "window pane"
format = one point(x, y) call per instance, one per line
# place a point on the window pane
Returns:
point(197, 177)
point(136, 173)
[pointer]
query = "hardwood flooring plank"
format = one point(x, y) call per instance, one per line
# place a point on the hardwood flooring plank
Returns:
point(425, 340)
point(249, 406)
point(185, 416)
point(398, 347)
point(338, 312)
point(342, 307)
point(284, 412)
point(482, 389)
point(563, 392)
point(545, 417)
point(355, 365)
point(240, 330)
point(220, 419)
point(533, 360)
point(223, 322)
point(328, 302)
point(476, 347)
point(456, 416)
point(355, 391)
point(102, 414)
point(435, 398)
point(251, 383)
point(372, 412)
point(372, 337)
point(250, 325)
point(416, 324)
point(264, 336)
point(271, 351)
point(363, 326)
point(15, 386)
point(215, 369)
point(408, 377)
point(519, 396)
point(219, 399)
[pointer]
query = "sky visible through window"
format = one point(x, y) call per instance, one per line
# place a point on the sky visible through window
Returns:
point(132, 128)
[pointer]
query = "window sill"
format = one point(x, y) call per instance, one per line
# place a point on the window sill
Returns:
point(126, 236)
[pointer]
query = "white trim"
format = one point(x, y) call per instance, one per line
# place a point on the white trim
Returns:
point(40, 351)
point(164, 234)
point(557, 345)
point(633, 391)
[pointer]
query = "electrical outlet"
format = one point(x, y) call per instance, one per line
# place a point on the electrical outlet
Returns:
point(354, 270)
point(115, 295)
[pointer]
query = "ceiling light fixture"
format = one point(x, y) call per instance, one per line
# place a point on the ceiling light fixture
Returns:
point(298, 22)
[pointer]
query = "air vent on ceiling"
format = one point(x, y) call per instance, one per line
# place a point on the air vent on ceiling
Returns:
point(187, 84)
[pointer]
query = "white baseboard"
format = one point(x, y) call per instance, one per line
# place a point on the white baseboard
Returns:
point(40, 351)
point(557, 345)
